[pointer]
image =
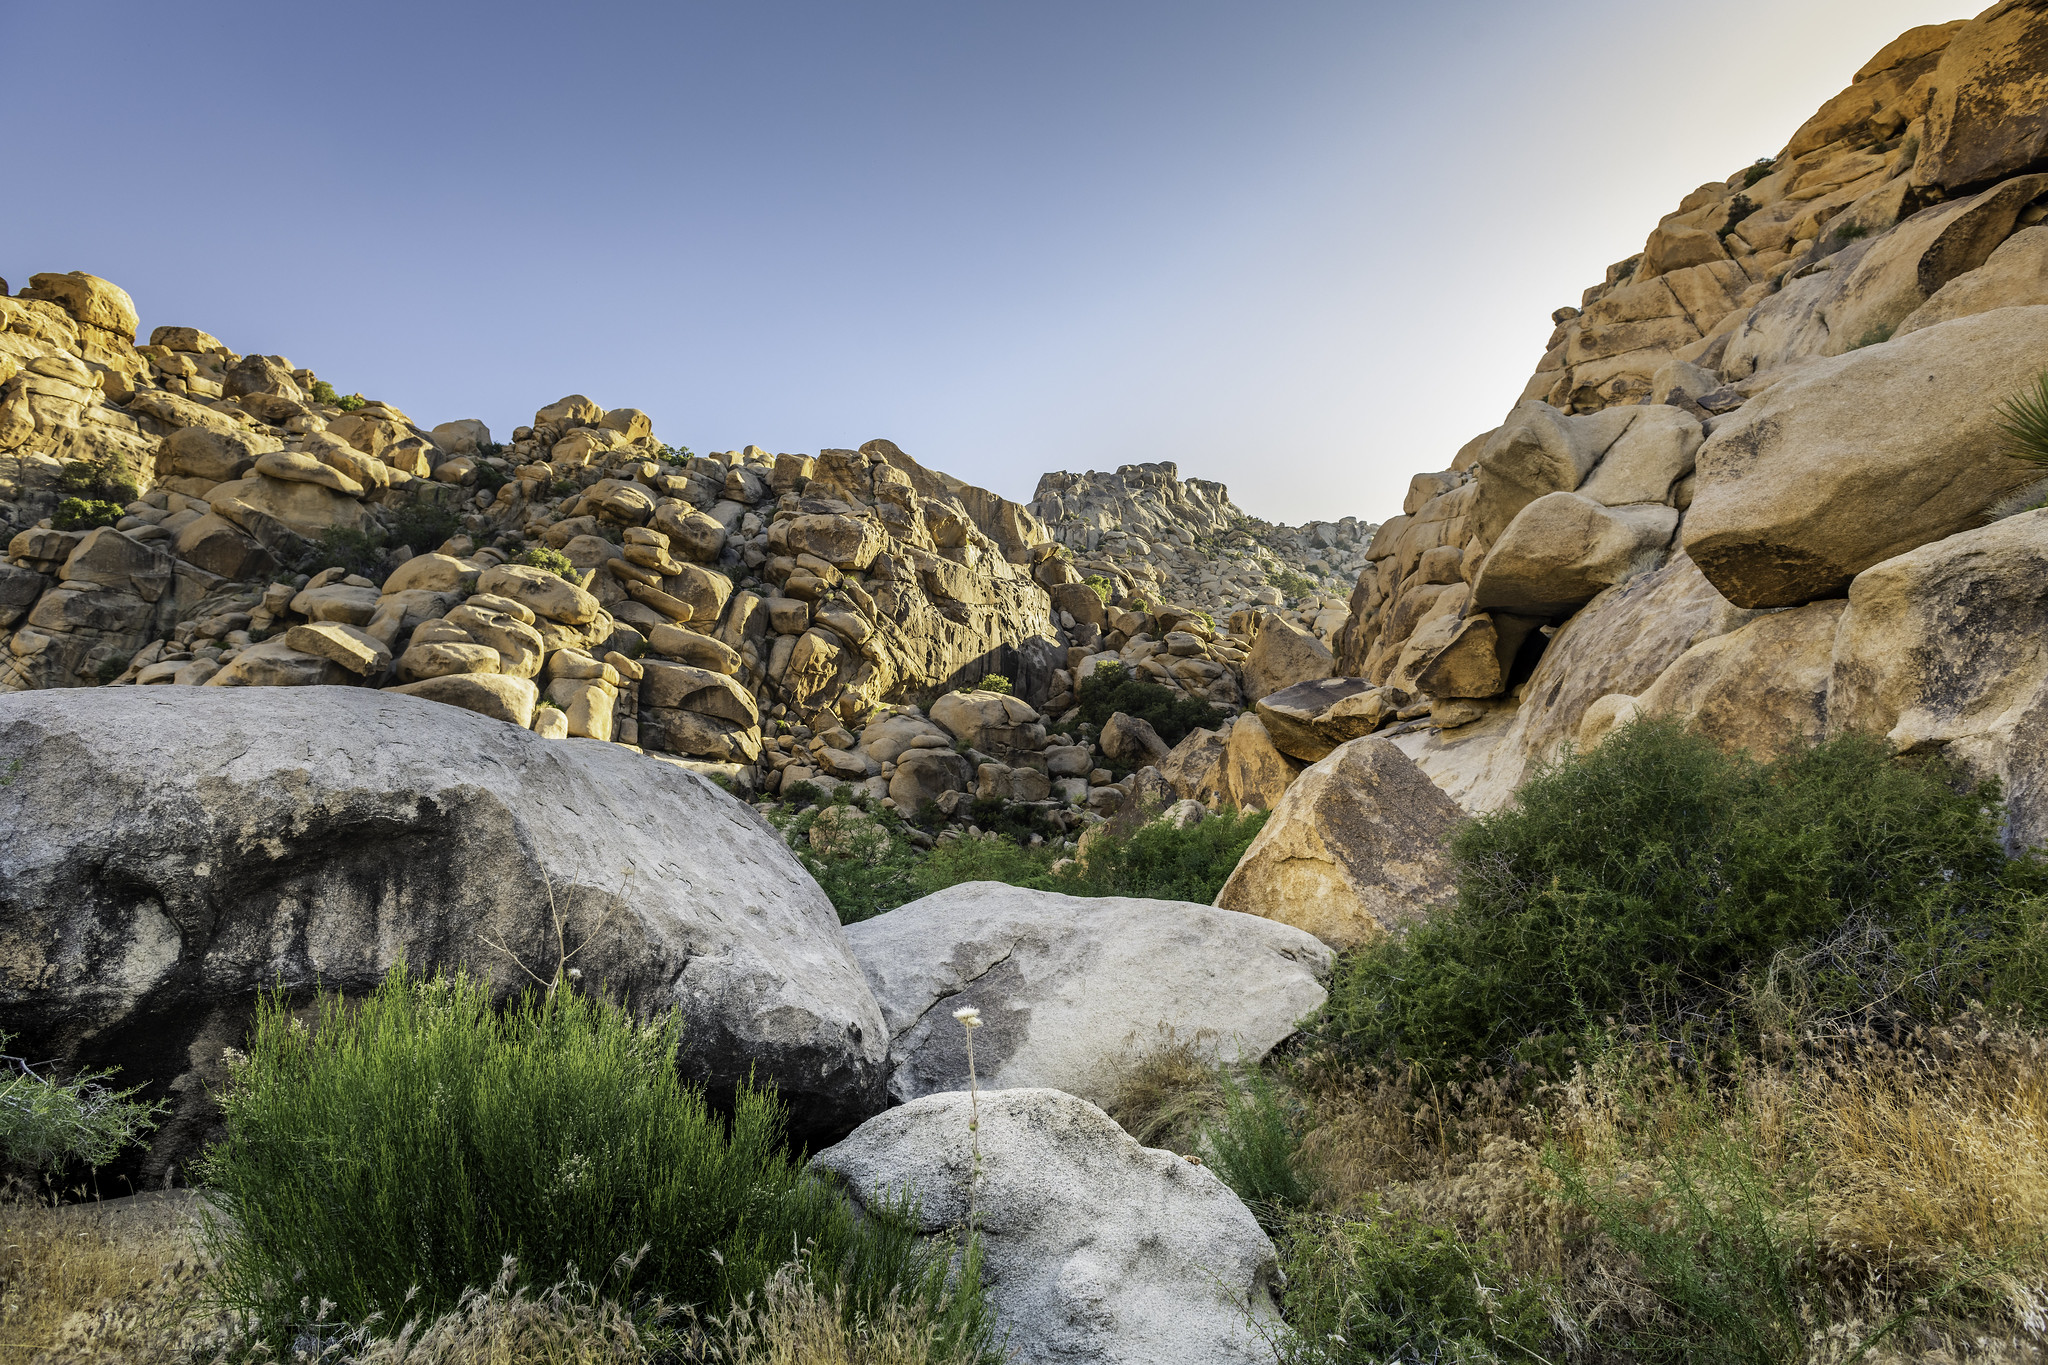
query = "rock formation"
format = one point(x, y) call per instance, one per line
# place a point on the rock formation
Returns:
point(1755, 482)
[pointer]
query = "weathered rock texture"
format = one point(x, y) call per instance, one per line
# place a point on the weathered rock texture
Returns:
point(1097, 1251)
point(1355, 849)
point(149, 887)
point(1789, 399)
point(1070, 988)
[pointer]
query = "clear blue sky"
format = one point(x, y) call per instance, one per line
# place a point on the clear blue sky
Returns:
point(1306, 248)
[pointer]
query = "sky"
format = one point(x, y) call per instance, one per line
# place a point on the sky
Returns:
point(1305, 248)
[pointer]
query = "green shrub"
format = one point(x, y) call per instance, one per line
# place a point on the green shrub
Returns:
point(422, 526)
point(1111, 688)
point(1291, 583)
point(1853, 232)
point(388, 1157)
point(988, 682)
point(1641, 880)
point(1876, 336)
point(323, 392)
point(801, 794)
point(553, 561)
point(1394, 1286)
point(2024, 420)
point(1763, 166)
point(490, 478)
point(869, 866)
point(102, 478)
point(1253, 1147)
point(1100, 586)
point(1160, 862)
point(83, 514)
point(342, 547)
point(46, 1123)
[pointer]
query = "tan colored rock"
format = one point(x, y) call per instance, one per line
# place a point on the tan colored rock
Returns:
point(844, 542)
point(549, 722)
point(706, 590)
point(589, 704)
point(1194, 768)
point(295, 468)
point(1478, 660)
point(693, 535)
point(433, 572)
point(984, 720)
point(681, 687)
point(1308, 720)
point(1282, 655)
point(1863, 457)
point(691, 647)
point(1762, 688)
point(490, 694)
point(1647, 460)
point(349, 605)
point(274, 663)
point(546, 594)
point(1940, 652)
point(440, 659)
point(519, 646)
point(304, 508)
point(1562, 550)
point(1604, 717)
point(209, 453)
point(1356, 848)
point(1989, 113)
point(2015, 276)
point(1255, 773)
point(1537, 451)
point(927, 774)
point(1132, 742)
point(465, 437)
point(357, 651)
point(91, 300)
point(573, 411)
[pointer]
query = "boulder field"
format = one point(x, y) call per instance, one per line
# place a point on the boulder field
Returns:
point(1759, 482)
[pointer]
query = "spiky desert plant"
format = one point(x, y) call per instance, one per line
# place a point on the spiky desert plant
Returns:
point(2024, 420)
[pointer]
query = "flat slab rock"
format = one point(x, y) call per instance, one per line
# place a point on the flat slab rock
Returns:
point(171, 851)
point(1070, 987)
point(1095, 1249)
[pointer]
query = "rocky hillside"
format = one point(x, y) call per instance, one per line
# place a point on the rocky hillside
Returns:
point(1152, 535)
point(1762, 481)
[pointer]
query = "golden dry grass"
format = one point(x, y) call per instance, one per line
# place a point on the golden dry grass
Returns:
point(114, 1283)
point(1167, 1090)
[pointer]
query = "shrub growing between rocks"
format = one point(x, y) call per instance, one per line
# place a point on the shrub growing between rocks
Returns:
point(1111, 688)
point(84, 514)
point(1642, 880)
point(388, 1158)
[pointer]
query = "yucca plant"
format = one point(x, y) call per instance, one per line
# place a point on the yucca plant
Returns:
point(2024, 420)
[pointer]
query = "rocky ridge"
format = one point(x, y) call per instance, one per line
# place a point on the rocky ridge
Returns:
point(170, 508)
point(1760, 482)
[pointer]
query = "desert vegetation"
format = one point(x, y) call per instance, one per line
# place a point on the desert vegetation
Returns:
point(1713, 1060)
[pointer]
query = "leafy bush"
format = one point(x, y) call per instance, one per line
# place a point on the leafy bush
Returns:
point(867, 866)
point(342, 547)
point(1641, 880)
point(553, 561)
point(1161, 862)
point(1253, 1148)
point(102, 478)
point(1762, 167)
point(988, 682)
point(2024, 420)
point(46, 1123)
point(490, 478)
point(323, 392)
point(1111, 688)
point(392, 1154)
point(423, 526)
point(1851, 232)
point(1291, 583)
point(1395, 1286)
point(83, 514)
point(1100, 586)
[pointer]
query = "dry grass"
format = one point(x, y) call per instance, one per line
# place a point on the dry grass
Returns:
point(796, 1323)
point(116, 1283)
point(568, 1324)
point(1168, 1090)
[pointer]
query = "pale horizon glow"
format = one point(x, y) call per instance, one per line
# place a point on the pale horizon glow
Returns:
point(1306, 250)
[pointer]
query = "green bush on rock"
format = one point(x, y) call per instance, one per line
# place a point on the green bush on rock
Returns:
point(1111, 688)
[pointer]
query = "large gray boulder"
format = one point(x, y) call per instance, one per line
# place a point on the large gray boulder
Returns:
point(1097, 1251)
point(172, 851)
point(1069, 987)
